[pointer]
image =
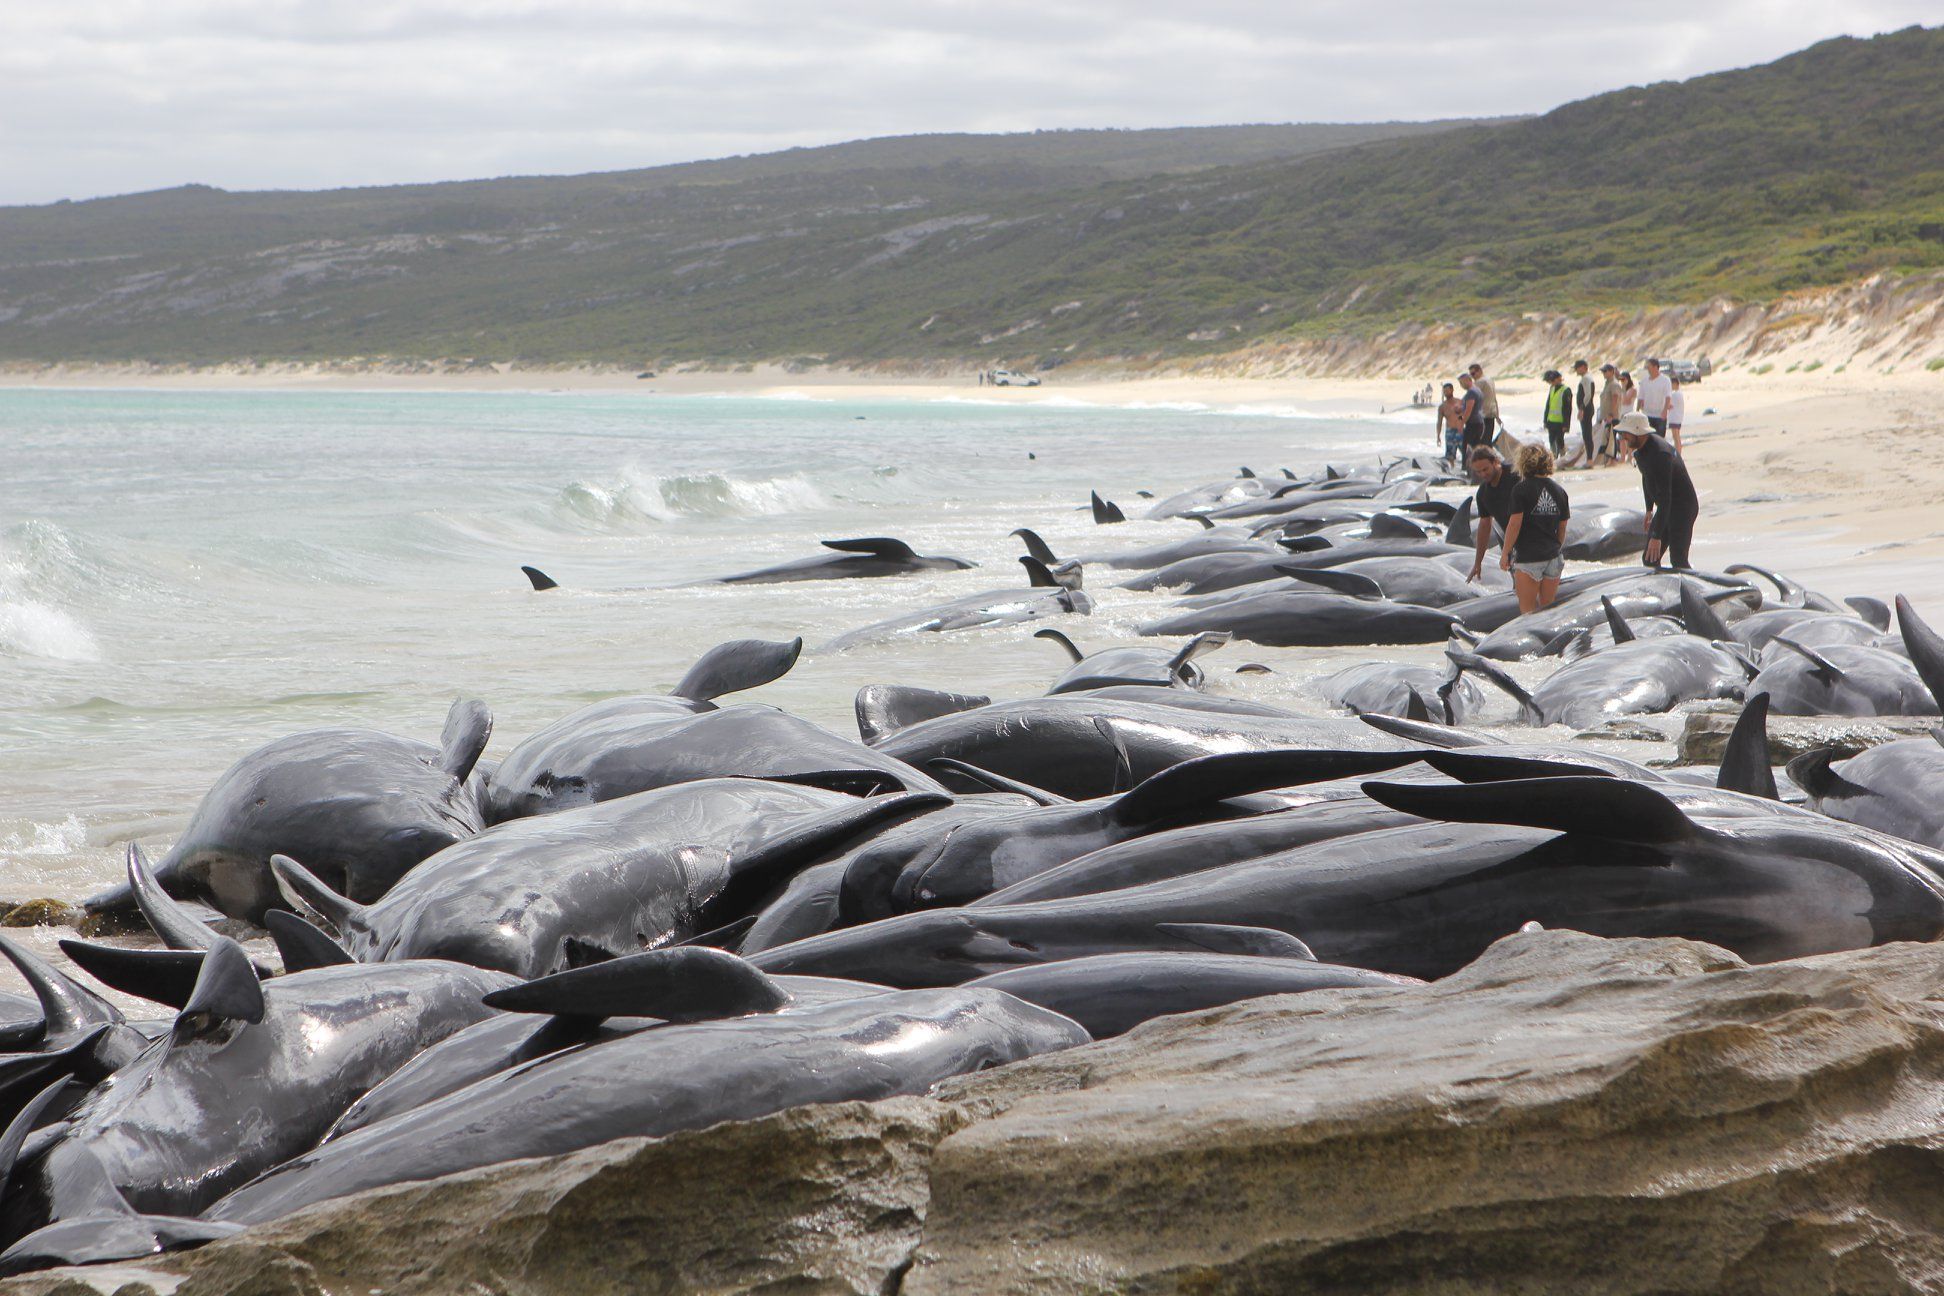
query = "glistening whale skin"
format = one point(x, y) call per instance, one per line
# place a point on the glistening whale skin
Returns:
point(365, 806)
point(1291, 618)
point(1607, 855)
point(536, 895)
point(659, 1082)
point(869, 556)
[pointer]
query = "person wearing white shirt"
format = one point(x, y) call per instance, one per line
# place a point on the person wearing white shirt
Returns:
point(1655, 391)
point(1676, 411)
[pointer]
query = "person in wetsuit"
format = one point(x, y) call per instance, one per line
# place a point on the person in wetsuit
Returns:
point(1672, 505)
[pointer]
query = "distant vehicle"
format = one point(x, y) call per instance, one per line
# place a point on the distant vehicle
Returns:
point(1688, 371)
point(1007, 378)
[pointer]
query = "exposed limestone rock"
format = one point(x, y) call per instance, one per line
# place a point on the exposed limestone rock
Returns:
point(1566, 1114)
point(1705, 735)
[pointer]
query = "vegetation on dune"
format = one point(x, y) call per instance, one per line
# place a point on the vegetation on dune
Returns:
point(1818, 169)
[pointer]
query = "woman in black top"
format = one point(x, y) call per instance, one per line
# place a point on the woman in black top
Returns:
point(1536, 531)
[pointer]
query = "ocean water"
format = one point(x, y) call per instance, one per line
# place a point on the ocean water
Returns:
point(184, 576)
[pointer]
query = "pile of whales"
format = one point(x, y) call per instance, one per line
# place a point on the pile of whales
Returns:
point(661, 912)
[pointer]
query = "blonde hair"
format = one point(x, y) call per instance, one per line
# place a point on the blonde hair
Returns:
point(1535, 461)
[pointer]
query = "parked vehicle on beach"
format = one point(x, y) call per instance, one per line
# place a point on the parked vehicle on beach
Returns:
point(1007, 378)
point(1688, 371)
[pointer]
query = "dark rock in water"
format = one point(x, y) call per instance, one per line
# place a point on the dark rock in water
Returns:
point(1567, 1113)
point(1705, 736)
point(41, 913)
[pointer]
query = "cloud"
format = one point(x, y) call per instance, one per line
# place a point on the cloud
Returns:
point(113, 96)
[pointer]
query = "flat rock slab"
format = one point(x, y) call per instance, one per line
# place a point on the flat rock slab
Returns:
point(1705, 736)
point(1566, 1114)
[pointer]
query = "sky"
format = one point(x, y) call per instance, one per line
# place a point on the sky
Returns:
point(118, 96)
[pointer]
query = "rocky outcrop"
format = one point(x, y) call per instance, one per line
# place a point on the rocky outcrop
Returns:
point(1567, 1114)
point(1704, 734)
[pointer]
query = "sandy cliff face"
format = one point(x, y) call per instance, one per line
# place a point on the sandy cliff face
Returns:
point(1880, 322)
point(1567, 1114)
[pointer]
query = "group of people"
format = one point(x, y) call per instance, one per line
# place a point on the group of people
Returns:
point(1468, 414)
point(1528, 511)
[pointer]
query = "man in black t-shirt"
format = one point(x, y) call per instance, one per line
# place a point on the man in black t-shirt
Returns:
point(1673, 507)
point(1493, 507)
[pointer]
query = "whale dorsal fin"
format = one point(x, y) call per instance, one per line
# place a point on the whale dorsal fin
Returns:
point(20, 1127)
point(1458, 530)
point(1196, 783)
point(1227, 938)
point(67, 1006)
point(1055, 636)
point(1599, 807)
point(1245, 472)
point(300, 945)
point(1389, 526)
point(178, 928)
point(226, 990)
point(738, 665)
point(1873, 610)
point(1414, 708)
point(164, 976)
point(1037, 574)
point(892, 550)
point(685, 983)
point(1208, 523)
point(1036, 546)
point(539, 579)
point(467, 727)
point(1745, 761)
point(1700, 618)
point(1622, 632)
point(1329, 578)
point(1926, 649)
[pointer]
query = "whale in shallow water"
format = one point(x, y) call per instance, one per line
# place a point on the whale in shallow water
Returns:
point(363, 806)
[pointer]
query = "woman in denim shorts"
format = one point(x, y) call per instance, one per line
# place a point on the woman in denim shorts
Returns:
point(1536, 531)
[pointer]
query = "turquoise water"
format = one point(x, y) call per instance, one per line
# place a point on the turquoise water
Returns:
point(184, 576)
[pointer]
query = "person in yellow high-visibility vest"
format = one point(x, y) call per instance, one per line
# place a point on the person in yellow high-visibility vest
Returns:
point(1559, 411)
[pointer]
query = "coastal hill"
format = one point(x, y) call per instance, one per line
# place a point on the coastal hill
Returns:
point(1820, 169)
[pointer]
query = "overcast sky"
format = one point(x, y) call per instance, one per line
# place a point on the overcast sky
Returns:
point(116, 96)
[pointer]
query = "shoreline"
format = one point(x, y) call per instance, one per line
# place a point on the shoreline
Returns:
point(1831, 475)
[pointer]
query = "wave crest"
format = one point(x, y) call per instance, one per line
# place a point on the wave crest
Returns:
point(640, 498)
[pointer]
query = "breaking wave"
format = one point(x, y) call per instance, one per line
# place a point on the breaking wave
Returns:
point(638, 498)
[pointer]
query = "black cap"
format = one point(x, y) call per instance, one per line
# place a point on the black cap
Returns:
point(1551, 374)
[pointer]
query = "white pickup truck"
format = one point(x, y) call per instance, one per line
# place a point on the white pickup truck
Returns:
point(1007, 378)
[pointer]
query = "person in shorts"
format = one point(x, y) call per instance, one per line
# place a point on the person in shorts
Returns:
point(1536, 531)
point(1676, 411)
point(1451, 420)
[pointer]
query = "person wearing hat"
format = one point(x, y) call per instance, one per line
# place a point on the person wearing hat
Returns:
point(1672, 505)
point(1587, 401)
point(1558, 411)
point(1610, 411)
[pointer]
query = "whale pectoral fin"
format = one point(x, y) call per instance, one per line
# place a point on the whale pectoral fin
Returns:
point(736, 666)
point(994, 782)
point(1055, 636)
point(1208, 523)
point(1196, 784)
point(1827, 673)
point(468, 724)
point(1224, 938)
point(539, 579)
point(1299, 544)
point(301, 945)
point(1622, 632)
point(300, 886)
point(876, 546)
point(1600, 807)
point(1202, 644)
point(1035, 546)
point(1745, 761)
point(726, 937)
point(1494, 674)
point(227, 989)
point(1472, 766)
point(164, 976)
point(684, 983)
point(1926, 649)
